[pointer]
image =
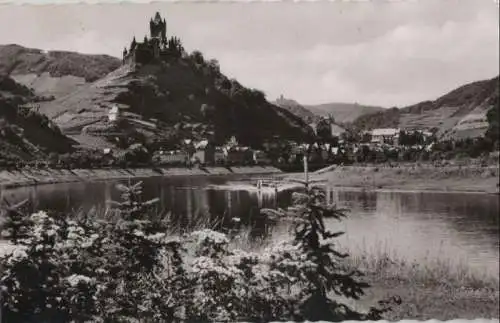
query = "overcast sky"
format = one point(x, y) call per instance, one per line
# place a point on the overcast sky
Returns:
point(389, 53)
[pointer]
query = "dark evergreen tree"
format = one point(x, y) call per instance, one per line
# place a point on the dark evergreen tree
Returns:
point(329, 276)
point(16, 221)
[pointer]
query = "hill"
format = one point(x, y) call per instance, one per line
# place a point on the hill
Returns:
point(53, 73)
point(170, 101)
point(297, 109)
point(343, 112)
point(458, 114)
point(25, 134)
point(165, 95)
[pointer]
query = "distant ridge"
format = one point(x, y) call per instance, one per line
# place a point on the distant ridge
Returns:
point(343, 112)
point(54, 73)
point(458, 114)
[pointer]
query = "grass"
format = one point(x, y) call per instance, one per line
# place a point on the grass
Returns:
point(432, 288)
point(435, 288)
point(421, 178)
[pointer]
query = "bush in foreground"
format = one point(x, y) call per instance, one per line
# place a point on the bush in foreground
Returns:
point(125, 268)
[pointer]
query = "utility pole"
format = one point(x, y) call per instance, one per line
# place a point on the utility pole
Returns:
point(306, 173)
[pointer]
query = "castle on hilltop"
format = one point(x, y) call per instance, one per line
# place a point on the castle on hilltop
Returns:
point(155, 48)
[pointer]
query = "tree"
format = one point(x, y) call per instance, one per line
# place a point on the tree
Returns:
point(322, 272)
point(197, 57)
point(214, 66)
point(138, 154)
point(53, 159)
point(323, 130)
point(331, 118)
point(174, 45)
point(493, 133)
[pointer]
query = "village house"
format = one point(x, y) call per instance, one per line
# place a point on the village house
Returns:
point(239, 155)
point(204, 153)
point(173, 157)
point(114, 114)
point(260, 158)
point(219, 156)
point(385, 136)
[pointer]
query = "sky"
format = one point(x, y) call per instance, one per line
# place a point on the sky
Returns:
point(374, 52)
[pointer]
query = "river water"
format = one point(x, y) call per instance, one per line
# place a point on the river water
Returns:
point(454, 227)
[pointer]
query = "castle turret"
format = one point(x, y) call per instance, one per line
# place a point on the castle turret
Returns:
point(158, 28)
point(125, 53)
point(133, 44)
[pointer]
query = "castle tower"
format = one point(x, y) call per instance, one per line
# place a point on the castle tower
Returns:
point(158, 33)
point(158, 28)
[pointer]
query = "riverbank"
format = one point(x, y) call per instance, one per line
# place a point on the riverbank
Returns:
point(18, 178)
point(436, 288)
point(433, 289)
point(412, 177)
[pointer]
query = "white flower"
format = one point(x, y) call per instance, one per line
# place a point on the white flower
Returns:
point(138, 233)
point(73, 236)
point(239, 255)
point(204, 265)
point(101, 271)
point(51, 232)
point(18, 254)
point(208, 235)
point(156, 237)
point(74, 280)
point(75, 231)
point(39, 216)
point(87, 244)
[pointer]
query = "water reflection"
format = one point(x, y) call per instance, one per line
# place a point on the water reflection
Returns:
point(461, 227)
point(453, 227)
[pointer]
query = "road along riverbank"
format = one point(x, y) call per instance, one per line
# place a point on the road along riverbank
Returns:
point(413, 177)
point(17, 178)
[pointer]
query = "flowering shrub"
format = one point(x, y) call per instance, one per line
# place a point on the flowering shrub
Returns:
point(40, 278)
point(126, 268)
point(85, 269)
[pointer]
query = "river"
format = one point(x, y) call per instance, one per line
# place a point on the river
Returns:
point(455, 227)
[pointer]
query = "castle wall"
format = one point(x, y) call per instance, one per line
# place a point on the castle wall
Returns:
point(144, 56)
point(145, 53)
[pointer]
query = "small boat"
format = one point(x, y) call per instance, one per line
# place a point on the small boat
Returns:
point(258, 186)
point(261, 184)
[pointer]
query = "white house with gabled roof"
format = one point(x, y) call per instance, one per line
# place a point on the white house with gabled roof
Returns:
point(385, 135)
point(114, 114)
